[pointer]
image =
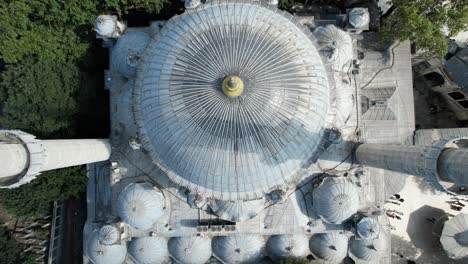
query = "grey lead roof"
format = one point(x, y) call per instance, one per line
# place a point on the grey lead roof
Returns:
point(237, 211)
point(368, 228)
point(149, 250)
point(331, 247)
point(190, 249)
point(335, 200)
point(239, 248)
point(105, 254)
point(454, 238)
point(242, 147)
point(370, 250)
point(141, 205)
point(283, 246)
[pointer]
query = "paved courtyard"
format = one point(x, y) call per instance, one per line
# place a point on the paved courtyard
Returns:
point(413, 238)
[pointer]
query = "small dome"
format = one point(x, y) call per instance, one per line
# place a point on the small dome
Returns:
point(127, 52)
point(237, 211)
point(105, 25)
point(283, 246)
point(149, 250)
point(190, 249)
point(336, 45)
point(359, 17)
point(370, 250)
point(239, 248)
point(192, 3)
point(454, 238)
point(100, 253)
point(109, 235)
point(331, 247)
point(141, 205)
point(335, 200)
point(368, 228)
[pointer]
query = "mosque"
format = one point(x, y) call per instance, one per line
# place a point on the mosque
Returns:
point(243, 134)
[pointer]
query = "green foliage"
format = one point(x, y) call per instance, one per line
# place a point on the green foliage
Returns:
point(40, 96)
point(123, 6)
point(45, 29)
point(9, 248)
point(285, 4)
point(423, 21)
point(35, 198)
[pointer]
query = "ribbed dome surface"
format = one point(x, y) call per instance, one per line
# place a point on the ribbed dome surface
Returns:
point(105, 254)
point(237, 211)
point(370, 250)
point(127, 52)
point(454, 238)
point(190, 249)
point(140, 205)
point(331, 247)
point(104, 25)
point(283, 246)
point(359, 17)
point(109, 234)
point(335, 200)
point(239, 248)
point(336, 45)
point(368, 228)
point(149, 250)
point(234, 147)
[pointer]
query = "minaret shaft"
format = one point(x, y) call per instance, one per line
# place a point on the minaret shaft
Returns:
point(22, 157)
point(452, 163)
point(67, 153)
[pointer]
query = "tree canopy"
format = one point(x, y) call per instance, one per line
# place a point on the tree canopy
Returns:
point(39, 97)
point(34, 199)
point(426, 23)
point(9, 247)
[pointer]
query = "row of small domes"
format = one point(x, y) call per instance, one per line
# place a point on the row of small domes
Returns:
point(331, 247)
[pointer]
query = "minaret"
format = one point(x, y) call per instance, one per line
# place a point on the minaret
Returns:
point(23, 157)
point(448, 164)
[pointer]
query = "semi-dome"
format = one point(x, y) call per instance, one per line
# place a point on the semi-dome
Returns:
point(336, 45)
point(127, 52)
point(368, 228)
point(454, 238)
point(231, 99)
point(359, 17)
point(141, 205)
point(239, 248)
point(109, 234)
point(370, 250)
point(335, 200)
point(284, 246)
point(237, 211)
point(190, 249)
point(149, 250)
point(105, 25)
point(331, 247)
point(100, 253)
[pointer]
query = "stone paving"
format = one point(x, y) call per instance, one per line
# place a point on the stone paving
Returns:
point(413, 238)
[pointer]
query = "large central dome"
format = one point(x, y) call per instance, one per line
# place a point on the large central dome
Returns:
point(231, 99)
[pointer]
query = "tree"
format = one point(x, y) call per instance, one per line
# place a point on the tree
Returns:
point(426, 22)
point(9, 247)
point(35, 198)
point(45, 29)
point(40, 97)
point(123, 6)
